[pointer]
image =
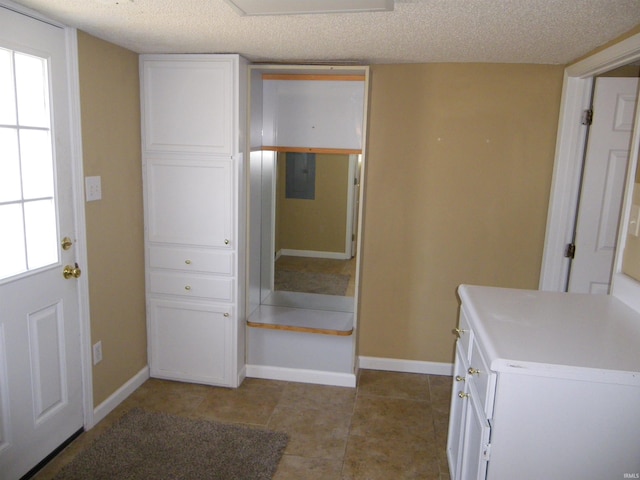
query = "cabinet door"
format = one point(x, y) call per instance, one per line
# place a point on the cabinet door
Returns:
point(190, 342)
point(459, 404)
point(475, 446)
point(189, 203)
point(188, 106)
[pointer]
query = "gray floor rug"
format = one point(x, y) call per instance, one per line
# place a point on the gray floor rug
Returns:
point(324, 283)
point(158, 446)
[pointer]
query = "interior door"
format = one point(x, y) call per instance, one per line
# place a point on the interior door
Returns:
point(40, 356)
point(603, 184)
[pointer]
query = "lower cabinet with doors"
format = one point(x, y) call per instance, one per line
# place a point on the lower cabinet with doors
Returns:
point(546, 385)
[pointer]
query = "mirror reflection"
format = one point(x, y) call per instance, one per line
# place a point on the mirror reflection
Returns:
point(314, 225)
point(631, 258)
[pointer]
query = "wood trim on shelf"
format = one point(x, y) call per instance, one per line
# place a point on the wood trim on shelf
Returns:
point(311, 77)
point(334, 151)
point(320, 331)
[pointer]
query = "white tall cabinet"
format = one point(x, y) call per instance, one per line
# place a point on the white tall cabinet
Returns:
point(193, 117)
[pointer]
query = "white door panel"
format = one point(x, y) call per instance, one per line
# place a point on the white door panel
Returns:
point(40, 356)
point(603, 183)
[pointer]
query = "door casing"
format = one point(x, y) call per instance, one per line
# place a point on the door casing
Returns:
point(570, 145)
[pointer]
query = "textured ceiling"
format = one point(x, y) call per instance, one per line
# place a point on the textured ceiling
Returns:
point(417, 31)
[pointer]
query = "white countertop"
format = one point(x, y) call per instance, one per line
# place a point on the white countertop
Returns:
point(577, 336)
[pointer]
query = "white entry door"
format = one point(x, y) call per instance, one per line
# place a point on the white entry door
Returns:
point(40, 357)
point(603, 184)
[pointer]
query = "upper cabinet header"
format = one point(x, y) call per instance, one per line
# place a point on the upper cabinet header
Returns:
point(308, 111)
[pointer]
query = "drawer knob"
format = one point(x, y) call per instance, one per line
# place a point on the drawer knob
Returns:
point(463, 395)
point(473, 371)
point(458, 332)
point(225, 314)
point(459, 378)
point(226, 241)
point(188, 262)
point(187, 287)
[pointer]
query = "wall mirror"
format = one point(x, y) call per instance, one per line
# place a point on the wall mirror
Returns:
point(307, 139)
point(631, 255)
point(316, 215)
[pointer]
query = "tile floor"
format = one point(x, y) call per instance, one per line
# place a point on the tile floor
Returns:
point(393, 426)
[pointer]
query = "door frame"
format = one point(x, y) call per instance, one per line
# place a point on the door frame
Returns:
point(570, 147)
point(73, 87)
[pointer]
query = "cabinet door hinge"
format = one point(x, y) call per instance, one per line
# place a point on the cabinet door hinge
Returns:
point(587, 117)
point(570, 250)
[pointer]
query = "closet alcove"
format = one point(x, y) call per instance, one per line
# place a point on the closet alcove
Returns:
point(306, 138)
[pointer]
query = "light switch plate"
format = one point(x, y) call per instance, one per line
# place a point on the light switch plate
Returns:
point(92, 188)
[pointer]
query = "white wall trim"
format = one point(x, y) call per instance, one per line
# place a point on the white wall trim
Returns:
point(120, 395)
point(302, 375)
point(615, 56)
point(242, 374)
point(563, 201)
point(405, 366)
point(576, 95)
point(80, 224)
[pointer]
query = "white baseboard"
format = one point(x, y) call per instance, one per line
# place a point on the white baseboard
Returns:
point(241, 375)
point(302, 375)
point(120, 395)
point(405, 366)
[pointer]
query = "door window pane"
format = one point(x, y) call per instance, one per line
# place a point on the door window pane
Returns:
point(7, 93)
point(28, 212)
point(13, 258)
point(10, 188)
point(36, 161)
point(32, 90)
point(40, 230)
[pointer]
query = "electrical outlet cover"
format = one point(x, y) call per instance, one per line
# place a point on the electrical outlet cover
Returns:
point(92, 188)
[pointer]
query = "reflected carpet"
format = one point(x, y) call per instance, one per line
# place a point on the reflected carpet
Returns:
point(310, 282)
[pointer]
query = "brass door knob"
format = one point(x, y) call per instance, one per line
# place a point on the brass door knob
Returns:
point(70, 271)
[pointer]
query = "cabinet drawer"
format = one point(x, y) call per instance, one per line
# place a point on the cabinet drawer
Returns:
point(201, 286)
point(192, 259)
point(464, 334)
point(482, 378)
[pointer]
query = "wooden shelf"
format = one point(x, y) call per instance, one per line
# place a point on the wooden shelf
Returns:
point(302, 320)
point(326, 151)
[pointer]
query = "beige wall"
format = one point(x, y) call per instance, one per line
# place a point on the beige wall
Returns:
point(110, 109)
point(319, 224)
point(459, 167)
